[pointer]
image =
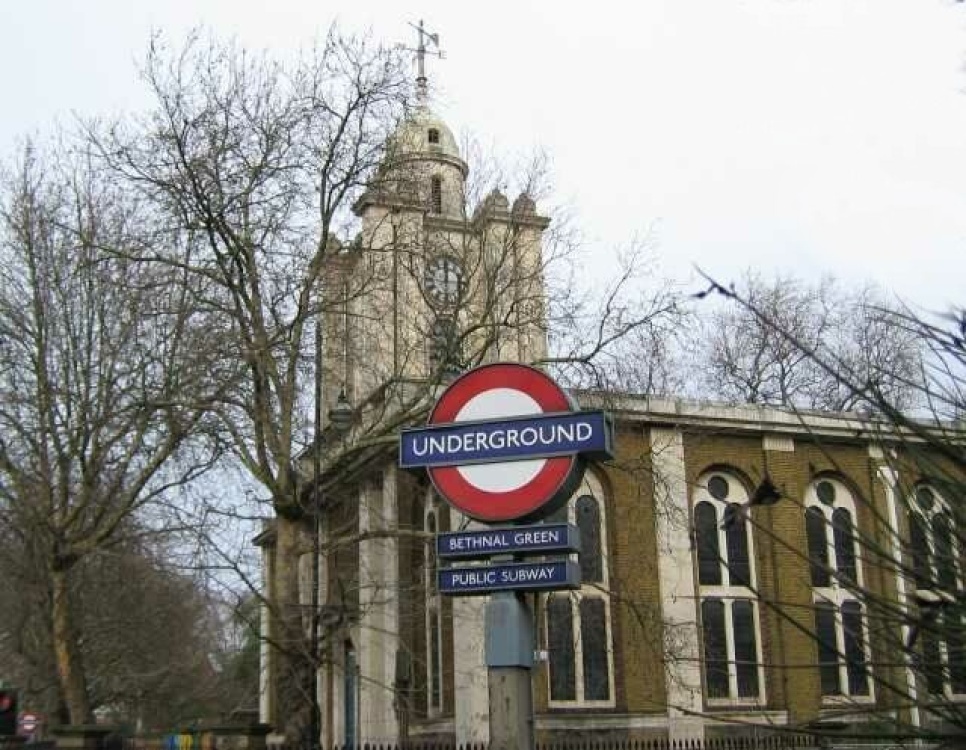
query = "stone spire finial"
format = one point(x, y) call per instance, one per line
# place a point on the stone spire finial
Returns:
point(524, 204)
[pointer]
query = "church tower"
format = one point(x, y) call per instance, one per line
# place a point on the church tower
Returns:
point(432, 285)
point(429, 287)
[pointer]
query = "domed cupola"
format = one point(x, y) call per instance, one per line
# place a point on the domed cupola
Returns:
point(423, 165)
point(424, 137)
point(422, 168)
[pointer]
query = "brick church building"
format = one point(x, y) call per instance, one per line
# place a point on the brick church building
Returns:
point(743, 568)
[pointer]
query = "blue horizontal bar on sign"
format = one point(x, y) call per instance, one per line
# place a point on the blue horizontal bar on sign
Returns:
point(518, 438)
point(537, 539)
point(484, 579)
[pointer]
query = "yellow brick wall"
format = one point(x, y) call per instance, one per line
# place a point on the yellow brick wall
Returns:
point(785, 596)
point(636, 605)
point(787, 621)
point(785, 612)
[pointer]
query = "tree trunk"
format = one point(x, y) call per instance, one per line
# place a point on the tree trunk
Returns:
point(294, 685)
point(70, 668)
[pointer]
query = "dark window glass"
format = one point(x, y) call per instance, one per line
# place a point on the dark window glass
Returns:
point(955, 651)
point(919, 550)
point(593, 633)
point(435, 695)
point(925, 498)
point(349, 688)
point(709, 557)
point(736, 539)
point(560, 644)
point(746, 653)
point(932, 665)
point(943, 550)
point(718, 487)
point(444, 344)
point(817, 546)
point(844, 544)
point(436, 195)
point(828, 658)
point(715, 648)
point(854, 649)
point(587, 514)
point(825, 491)
point(433, 135)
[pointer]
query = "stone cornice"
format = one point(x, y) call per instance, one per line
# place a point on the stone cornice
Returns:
point(388, 199)
point(494, 216)
point(750, 418)
point(446, 223)
point(436, 157)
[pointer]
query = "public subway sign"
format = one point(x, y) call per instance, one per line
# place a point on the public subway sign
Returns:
point(505, 443)
point(551, 575)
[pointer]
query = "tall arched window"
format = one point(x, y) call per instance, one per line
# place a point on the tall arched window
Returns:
point(840, 630)
point(436, 194)
point(578, 623)
point(445, 351)
point(433, 622)
point(937, 570)
point(726, 576)
point(350, 694)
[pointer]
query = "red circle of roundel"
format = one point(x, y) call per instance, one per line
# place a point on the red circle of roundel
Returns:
point(528, 498)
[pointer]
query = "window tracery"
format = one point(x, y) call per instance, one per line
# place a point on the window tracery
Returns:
point(835, 573)
point(726, 580)
point(578, 623)
point(936, 569)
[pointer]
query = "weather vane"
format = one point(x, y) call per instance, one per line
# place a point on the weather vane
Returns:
point(421, 51)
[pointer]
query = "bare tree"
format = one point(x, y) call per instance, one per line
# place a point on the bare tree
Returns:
point(149, 637)
point(254, 166)
point(101, 394)
point(746, 358)
point(263, 173)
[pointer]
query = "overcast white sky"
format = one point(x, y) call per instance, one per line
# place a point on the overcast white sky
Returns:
point(803, 135)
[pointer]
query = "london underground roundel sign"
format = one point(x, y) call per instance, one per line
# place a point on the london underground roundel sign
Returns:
point(504, 443)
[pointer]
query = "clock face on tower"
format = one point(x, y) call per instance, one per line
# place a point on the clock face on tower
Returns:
point(444, 280)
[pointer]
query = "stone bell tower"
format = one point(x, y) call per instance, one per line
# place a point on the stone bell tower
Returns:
point(434, 285)
point(429, 287)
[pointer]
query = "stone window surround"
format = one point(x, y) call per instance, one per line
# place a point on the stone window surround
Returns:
point(728, 593)
point(835, 593)
point(597, 590)
point(939, 507)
